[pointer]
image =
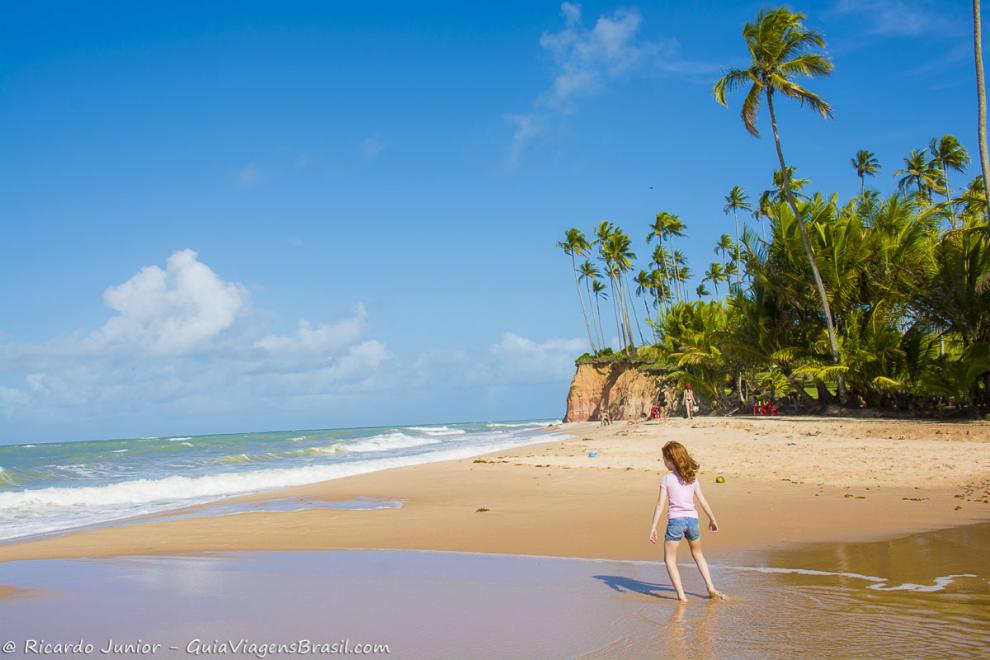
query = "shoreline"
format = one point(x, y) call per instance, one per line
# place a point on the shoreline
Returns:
point(845, 480)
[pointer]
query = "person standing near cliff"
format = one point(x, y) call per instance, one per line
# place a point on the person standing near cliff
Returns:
point(689, 401)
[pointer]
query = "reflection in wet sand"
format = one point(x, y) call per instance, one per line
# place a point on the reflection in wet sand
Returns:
point(925, 595)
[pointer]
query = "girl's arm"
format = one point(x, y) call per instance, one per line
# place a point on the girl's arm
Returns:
point(657, 512)
point(712, 524)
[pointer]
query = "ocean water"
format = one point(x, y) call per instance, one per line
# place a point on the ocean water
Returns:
point(57, 486)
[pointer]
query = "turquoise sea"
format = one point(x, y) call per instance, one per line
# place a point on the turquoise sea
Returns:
point(48, 487)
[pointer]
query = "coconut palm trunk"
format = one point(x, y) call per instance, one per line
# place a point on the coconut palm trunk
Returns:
point(819, 284)
point(584, 312)
point(948, 196)
point(632, 306)
point(619, 326)
point(981, 97)
point(627, 322)
point(596, 313)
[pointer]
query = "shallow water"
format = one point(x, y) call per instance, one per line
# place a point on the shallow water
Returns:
point(52, 487)
point(848, 600)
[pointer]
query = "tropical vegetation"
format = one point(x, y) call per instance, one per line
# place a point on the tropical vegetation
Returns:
point(878, 300)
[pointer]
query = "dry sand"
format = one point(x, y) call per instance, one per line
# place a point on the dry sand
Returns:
point(788, 480)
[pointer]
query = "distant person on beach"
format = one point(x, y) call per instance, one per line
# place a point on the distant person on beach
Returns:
point(678, 489)
point(604, 418)
point(662, 399)
point(689, 401)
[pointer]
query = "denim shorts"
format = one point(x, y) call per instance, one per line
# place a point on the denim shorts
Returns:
point(678, 527)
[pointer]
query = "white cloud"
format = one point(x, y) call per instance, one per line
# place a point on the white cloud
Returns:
point(324, 337)
point(899, 18)
point(184, 344)
point(521, 358)
point(171, 311)
point(371, 147)
point(584, 59)
point(183, 340)
point(527, 127)
point(511, 360)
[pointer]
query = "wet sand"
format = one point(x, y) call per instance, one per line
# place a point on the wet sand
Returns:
point(890, 599)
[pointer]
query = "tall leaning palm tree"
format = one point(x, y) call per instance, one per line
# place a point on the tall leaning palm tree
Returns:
point(981, 101)
point(782, 48)
point(866, 164)
point(948, 154)
point(574, 245)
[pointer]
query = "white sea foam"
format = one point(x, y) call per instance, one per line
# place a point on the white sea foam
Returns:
point(515, 425)
point(35, 511)
point(176, 439)
point(298, 438)
point(938, 584)
point(437, 430)
point(385, 442)
point(118, 451)
point(879, 583)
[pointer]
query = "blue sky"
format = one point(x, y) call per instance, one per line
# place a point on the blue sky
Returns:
point(184, 184)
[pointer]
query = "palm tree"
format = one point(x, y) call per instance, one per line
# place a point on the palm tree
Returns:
point(675, 227)
point(700, 290)
point(590, 273)
point(973, 200)
point(782, 48)
point(723, 246)
point(661, 260)
point(575, 244)
point(920, 172)
point(599, 291)
point(948, 153)
point(795, 185)
point(714, 274)
point(981, 101)
point(762, 211)
point(735, 200)
point(866, 164)
point(618, 256)
point(644, 287)
point(732, 269)
point(681, 273)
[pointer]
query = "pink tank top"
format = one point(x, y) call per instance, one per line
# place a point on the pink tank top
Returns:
point(680, 495)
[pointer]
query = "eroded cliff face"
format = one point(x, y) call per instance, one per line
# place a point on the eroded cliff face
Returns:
point(625, 392)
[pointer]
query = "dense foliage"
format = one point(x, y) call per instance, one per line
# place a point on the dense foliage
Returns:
point(879, 301)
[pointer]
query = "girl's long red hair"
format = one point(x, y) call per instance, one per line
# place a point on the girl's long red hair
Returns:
point(686, 466)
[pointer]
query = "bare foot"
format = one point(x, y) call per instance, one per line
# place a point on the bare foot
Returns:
point(682, 598)
point(717, 595)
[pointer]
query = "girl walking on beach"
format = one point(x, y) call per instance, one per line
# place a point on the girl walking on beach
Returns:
point(679, 488)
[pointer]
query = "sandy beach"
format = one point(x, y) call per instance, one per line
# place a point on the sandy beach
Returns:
point(787, 481)
point(869, 523)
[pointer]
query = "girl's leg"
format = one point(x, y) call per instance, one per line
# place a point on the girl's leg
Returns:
point(699, 559)
point(670, 559)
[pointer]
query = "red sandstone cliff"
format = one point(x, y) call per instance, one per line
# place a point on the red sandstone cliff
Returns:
point(624, 391)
